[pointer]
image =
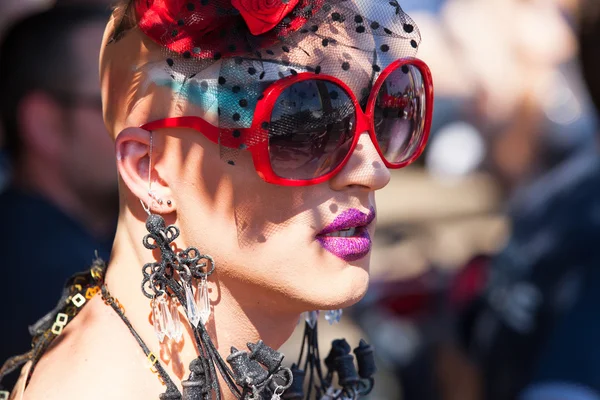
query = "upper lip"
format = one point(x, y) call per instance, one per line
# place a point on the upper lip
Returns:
point(350, 218)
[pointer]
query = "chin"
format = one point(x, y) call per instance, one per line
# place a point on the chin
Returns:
point(344, 288)
point(358, 287)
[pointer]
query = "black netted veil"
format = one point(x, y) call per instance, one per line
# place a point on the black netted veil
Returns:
point(213, 63)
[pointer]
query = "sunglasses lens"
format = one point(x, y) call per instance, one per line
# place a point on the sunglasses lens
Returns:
point(399, 114)
point(311, 129)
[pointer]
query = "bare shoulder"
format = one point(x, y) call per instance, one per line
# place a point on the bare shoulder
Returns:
point(93, 358)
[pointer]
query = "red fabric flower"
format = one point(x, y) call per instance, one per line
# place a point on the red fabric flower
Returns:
point(208, 29)
point(263, 15)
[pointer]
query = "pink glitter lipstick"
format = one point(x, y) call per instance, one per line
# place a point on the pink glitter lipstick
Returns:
point(347, 236)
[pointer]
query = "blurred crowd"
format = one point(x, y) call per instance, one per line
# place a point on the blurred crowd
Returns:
point(485, 272)
point(59, 198)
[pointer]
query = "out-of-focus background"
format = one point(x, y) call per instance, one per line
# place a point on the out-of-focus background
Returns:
point(485, 267)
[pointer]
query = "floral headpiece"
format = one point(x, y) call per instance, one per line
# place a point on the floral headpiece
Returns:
point(216, 28)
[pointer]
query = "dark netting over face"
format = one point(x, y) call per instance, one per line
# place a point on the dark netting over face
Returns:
point(218, 69)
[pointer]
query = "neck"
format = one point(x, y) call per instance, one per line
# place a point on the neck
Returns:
point(40, 177)
point(232, 323)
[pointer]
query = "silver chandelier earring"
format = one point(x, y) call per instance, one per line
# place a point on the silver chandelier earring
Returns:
point(169, 282)
point(159, 277)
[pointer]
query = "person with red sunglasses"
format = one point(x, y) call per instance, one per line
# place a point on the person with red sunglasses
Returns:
point(250, 138)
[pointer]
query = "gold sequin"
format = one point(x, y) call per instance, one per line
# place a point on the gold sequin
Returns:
point(91, 292)
point(59, 324)
point(62, 318)
point(118, 303)
point(78, 300)
point(96, 273)
point(152, 359)
point(57, 329)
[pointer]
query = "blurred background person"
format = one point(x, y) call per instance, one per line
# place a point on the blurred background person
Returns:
point(534, 333)
point(60, 204)
point(513, 121)
point(12, 10)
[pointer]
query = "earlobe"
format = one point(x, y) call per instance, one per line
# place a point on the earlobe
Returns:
point(138, 154)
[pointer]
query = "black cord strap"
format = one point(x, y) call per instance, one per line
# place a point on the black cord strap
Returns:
point(172, 391)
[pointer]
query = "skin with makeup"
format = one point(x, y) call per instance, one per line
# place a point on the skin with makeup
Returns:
point(279, 250)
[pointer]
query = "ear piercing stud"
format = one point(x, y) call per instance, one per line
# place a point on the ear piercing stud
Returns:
point(154, 197)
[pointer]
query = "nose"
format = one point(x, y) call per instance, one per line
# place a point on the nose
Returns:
point(364, 170)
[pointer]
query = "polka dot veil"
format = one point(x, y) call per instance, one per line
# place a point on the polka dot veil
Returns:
point(216, 66)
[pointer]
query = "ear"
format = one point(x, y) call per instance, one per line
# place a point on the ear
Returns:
point(140, 170)
point(40, 119)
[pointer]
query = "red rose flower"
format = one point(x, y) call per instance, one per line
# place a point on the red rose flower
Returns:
point(160, 20)
point(263, 15)
point(201, 29)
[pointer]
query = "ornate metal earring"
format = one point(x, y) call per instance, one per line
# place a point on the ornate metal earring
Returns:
point(250, 375)
point(257, 372)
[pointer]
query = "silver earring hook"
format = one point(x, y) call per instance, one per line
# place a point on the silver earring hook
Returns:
point(150, 164)
point(145, 206)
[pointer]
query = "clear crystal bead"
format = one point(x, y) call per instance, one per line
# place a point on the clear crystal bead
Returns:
point(311, 317)
point(333, 316)
point(177, 332)
point(192, 309)
point(203, 301)
point(169, 323)
point(157, 319)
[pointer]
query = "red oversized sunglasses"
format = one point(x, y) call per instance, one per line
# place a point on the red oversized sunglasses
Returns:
point(306, 126)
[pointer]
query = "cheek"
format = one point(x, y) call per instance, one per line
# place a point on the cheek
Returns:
point(264, 235)
point(198, 168)
point(208, 191)
point(263, 211)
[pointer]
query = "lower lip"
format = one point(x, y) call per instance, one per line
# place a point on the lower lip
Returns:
point(348, 248)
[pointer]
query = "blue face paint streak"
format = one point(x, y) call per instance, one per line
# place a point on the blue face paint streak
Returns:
point(239, 105)
point(196, 92)
point(231, 101)
point(238, 102)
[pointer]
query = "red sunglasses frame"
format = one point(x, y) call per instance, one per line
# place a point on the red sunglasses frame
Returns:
point(256, 137)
